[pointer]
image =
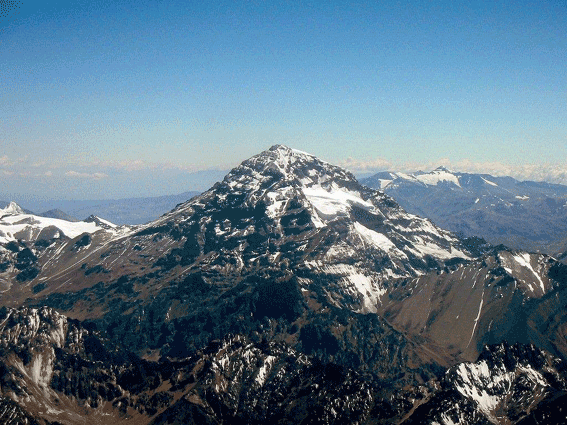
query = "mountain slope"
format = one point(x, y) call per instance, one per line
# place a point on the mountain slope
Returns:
point(57, 213)
point(504, 296)
point(28, 243)
point(59, 370)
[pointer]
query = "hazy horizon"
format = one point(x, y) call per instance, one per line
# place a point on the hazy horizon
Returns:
point(201, 181)
point(124, 98)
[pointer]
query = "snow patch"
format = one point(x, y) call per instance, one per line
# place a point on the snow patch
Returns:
point(438, 176)
point(477, 317)
point(15, 224)
point(374, 238)
point(334, 201)
point(489, 182)
point(365, 286)
point(477, 378)
point(523, 260)
point(265, 370)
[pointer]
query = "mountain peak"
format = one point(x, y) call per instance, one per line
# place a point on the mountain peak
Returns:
point(12, 209)
point(442, 168)
point(280, 148)
point(105, 224)
point(285, 154)
point(281, 165)
point(284, 150)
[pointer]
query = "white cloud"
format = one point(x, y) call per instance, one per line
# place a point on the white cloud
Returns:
point(5, 161)
point(362, 166)
point(142, 165)
point(552, 173)
point(94, 176)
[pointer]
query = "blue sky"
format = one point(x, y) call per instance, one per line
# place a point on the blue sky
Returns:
point(123, 98)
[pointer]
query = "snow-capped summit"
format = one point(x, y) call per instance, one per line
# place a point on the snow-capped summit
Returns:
point(11, 209)
point(442, 168)
point(279, 174)
point(281, 165)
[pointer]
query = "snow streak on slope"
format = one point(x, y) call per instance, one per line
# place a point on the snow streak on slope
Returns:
point(528, 269)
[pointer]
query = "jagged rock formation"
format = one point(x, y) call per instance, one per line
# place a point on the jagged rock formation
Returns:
point(505, 385)
point(59, 370)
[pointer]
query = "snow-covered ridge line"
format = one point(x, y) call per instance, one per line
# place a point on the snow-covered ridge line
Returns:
point(440, 175)
point(15, 224)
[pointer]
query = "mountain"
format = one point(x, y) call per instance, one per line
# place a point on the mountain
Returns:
point(286, 210)
point(287, 293)
point(13, 208)
point(523, 215)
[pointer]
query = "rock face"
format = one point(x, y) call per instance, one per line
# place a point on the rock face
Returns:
point(287, 293)
point(523, 215)
point(503, 296)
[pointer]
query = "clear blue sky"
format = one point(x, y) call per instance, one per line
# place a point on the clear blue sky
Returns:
point(95, 93)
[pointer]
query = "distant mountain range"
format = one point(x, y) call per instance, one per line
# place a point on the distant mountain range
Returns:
point(523, 215)
point(519, 214)
point(118, 211)
point(286, 293)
